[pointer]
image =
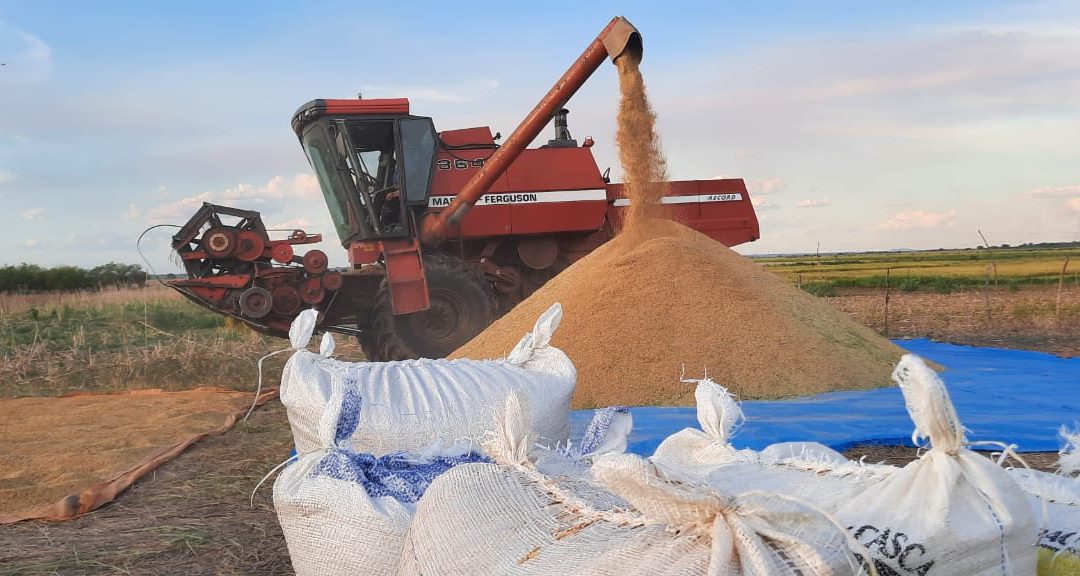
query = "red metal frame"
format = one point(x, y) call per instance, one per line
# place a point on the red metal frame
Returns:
point(378, 106)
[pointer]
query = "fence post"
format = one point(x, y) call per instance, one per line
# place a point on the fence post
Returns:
point(887, 271)
point(1061, 286)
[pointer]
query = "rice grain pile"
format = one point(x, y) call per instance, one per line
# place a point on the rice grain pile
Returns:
point(661, 297)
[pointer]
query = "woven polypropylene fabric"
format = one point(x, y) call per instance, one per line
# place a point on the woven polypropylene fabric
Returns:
point(412, 405)
point(958, 512)
point(487, 519)
point(950, 512)
point(1055, 502)
point(512, 518)
point(484, 519)
point(334, 527)
point(344, 512)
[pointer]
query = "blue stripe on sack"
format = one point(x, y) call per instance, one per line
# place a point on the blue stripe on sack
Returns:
point(401, 476)
point(349, 416)
point(598, 428)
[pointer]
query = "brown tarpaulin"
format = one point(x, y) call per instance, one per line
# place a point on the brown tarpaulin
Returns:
point(51, 444)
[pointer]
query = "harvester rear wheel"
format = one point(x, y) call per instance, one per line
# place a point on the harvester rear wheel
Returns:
point(462, 305)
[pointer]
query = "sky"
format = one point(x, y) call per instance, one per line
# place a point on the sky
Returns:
point(856, 125)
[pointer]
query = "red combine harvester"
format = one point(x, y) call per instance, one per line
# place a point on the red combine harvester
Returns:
point(445, 231)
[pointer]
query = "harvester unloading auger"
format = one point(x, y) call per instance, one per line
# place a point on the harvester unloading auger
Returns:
point(444, 230)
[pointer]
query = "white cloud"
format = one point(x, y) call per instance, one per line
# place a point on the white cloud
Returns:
point(467, 92)
point(306, 186)
point(1073, 204)
point(27, 56)
point(303, 185)
point(33, 214)
point(1053, 192)
point(814, 203)
point(757, 186)
point(295, 223)
point(274, 195)
point(247, 191)
point(766, 186)
point(918, 219)
point(6, 177)
point(32, 243)
point(180, 210)
point(132, 212)
point(761, 204)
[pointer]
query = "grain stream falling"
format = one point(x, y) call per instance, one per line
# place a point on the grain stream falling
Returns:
point(640, 153)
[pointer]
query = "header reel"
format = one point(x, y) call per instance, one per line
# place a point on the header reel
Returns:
point(235, 269)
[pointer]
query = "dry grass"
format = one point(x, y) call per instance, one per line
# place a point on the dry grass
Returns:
point(84, 299)
point(120, 339)
point(1025, 318)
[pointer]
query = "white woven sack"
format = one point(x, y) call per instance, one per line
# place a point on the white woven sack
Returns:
point(949, 512)
point(307, 383)
point(511, 519)
point(1055, 501)
point(808, 470)
point(411, 405)
point(1069, 462)
point(345, 513)
point(332, 526)
point(694, 453)
point(795, 453)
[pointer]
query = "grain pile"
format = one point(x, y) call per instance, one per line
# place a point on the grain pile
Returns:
point(660, 297)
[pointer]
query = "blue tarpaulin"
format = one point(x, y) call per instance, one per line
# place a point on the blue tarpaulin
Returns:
point(1009, 396)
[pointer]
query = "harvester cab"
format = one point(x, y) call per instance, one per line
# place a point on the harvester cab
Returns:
point(444, 231)
point(372, 160)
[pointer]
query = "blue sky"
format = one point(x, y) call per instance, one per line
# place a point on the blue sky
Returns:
point(859, 125)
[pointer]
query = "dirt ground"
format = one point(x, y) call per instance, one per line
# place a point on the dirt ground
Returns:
point(192, 516)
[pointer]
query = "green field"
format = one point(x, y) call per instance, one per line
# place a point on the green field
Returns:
point(933, 270)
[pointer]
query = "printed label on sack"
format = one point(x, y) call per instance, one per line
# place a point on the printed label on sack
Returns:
point(1060, 540)
point(894, 553)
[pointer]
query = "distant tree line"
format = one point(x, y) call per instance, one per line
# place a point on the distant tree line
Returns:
point(34, 278)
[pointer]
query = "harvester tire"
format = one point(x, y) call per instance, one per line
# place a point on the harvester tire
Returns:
point(462, 305)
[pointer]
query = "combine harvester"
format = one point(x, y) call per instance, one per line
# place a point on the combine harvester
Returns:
point(445, 231)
